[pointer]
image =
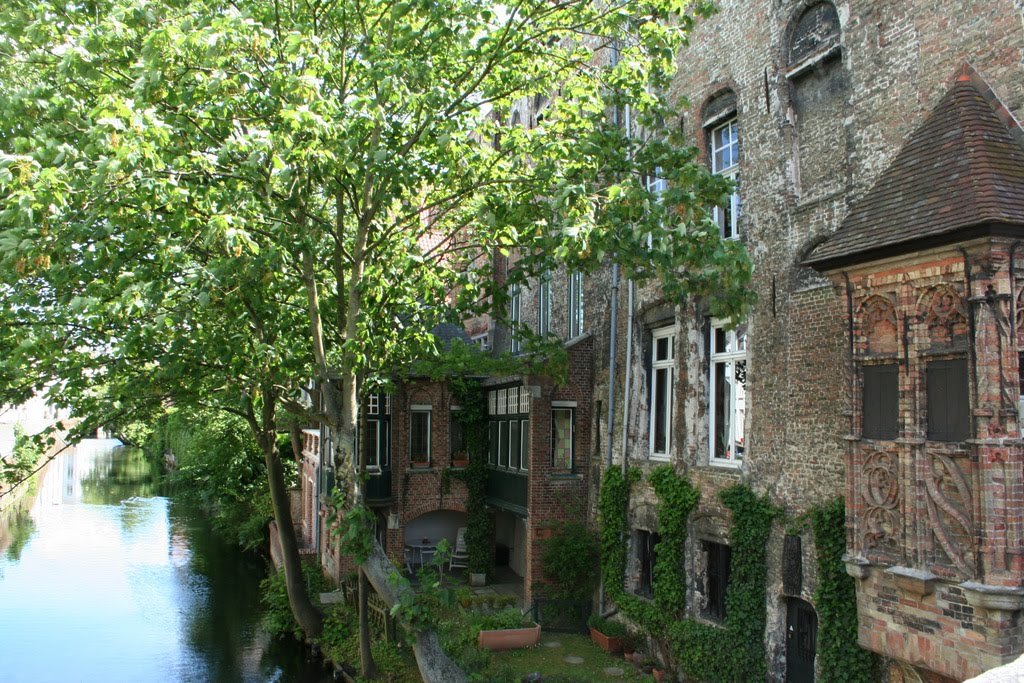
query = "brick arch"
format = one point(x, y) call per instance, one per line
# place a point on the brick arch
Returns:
point(942, 316)
point(426, 507)
point(877, 326)
point(716, 91)
point(801, 10)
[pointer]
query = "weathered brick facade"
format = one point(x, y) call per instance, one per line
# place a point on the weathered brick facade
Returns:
point(825, 95)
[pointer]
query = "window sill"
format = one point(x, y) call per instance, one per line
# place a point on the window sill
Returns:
point(726, 464)
point(565, 476)
point(425, 467)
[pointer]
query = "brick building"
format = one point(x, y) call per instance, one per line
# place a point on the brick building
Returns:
point(880, 185)
point(880, 171)
point(538, 462)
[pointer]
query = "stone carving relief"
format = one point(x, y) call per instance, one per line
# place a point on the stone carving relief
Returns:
point(944, 314)
point(949, 511)
point(879, 326)
point(881, 491)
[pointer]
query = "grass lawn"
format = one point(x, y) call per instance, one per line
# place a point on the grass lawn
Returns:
point(550, 661)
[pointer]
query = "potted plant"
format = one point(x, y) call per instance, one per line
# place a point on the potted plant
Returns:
point(507, 630)
point(659, 674)
point(460, 459)
point(606, 633)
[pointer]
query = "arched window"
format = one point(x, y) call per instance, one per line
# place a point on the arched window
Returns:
point(817, 99)
point(721, 128)
point(815, 33)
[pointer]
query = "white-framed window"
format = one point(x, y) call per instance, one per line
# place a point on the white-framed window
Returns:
point(663, 368)
point(656, 183)
point(725, 161)
point(728, 400)
point(575, 305)
point(562, 439)
point(378, 444)
point(544, 304)
point(515, 318)
point(419, 435)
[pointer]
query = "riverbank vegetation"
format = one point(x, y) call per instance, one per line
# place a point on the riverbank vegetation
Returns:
point(219, 467)
point(23, 459)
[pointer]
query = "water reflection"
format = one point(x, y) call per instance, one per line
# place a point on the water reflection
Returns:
point(118, 583)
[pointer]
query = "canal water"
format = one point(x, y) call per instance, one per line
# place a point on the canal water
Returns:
point(107, 580)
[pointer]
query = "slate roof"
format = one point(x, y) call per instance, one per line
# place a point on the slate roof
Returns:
point(960, 174)
point(446, 333)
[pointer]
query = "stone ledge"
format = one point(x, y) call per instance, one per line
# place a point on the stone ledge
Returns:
point(999, 598)
point(915, 581)
point(857, 566)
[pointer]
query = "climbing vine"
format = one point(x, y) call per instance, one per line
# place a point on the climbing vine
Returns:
point(611, 511)
point(733, 654)
point(677, 498)
point(473, 418)
point(839, 655)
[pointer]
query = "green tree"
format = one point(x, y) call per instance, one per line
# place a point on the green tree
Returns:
point(210, 203)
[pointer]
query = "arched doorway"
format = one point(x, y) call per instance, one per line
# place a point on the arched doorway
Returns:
point(801, 641)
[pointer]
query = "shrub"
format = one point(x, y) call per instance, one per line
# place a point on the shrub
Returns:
point(612, 629)
point(570, 560)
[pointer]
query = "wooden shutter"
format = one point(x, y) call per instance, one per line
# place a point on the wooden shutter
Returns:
point(948, 402)
point(880, 401)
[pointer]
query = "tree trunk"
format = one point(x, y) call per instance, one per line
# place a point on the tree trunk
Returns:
point(368, 666)
point(295, 435)
point(306, 614)
point(435, 666)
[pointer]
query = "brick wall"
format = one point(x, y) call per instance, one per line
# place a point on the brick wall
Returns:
point(810, 146)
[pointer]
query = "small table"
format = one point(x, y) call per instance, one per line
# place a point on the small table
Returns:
point(423, 550)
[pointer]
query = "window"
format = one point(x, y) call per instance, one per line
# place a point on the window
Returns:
point(575, 305)
point(880, 401)
point(562, 439)
point(456, 439)
point(656, 183)
point(662, 380)
point(717, 559)
point(503, 430)
point(948, 404)
point(524, 445)
point(544, 305)
point(377, 436)
point(515, 319)
point(728, 393)
point(419, 435)
point(646, 553)
point(725, 161)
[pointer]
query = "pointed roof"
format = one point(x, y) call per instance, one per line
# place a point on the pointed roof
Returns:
point(959, 175)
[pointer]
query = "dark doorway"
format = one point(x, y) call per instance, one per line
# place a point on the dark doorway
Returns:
point(801, 641)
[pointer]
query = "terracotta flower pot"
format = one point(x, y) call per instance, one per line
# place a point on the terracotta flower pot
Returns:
point(659, 674)
point(611, 644)
point(509, 639)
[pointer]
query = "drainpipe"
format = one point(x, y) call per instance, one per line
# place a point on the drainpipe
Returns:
point(849, 331)
point(629, 378)
point(611, 362)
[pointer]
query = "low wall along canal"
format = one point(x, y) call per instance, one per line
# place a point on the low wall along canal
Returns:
point(109, 580)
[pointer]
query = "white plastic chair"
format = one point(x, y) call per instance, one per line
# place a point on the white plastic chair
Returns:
point(460, 555)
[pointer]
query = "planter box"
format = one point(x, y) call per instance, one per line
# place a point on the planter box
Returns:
point(610, 644)
point(509, 639)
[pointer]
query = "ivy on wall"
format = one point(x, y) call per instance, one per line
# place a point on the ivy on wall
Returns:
point(734, 653)
point(840, 658)
point(473, 418)
point(677, 498)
